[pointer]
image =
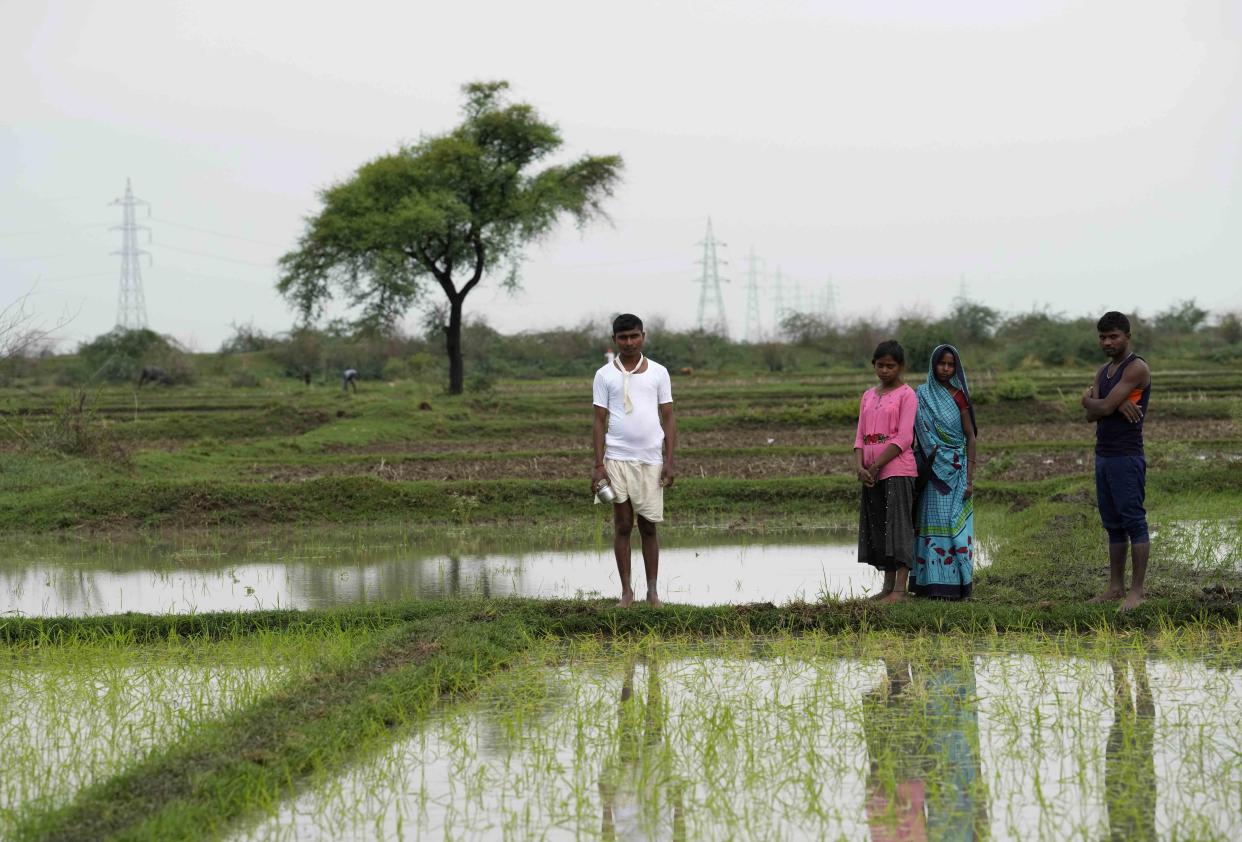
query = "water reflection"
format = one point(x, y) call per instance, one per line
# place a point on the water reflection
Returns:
point(697, 743)
point(1129, 764)
point(640, 798)
point(924, 779)
point(42, 579)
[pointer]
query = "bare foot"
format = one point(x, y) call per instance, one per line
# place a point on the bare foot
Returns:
point(627, 599)
point(878, 596)
point(895, 596)
point(1107, 596)
point(653, 600)
point(1133, 600)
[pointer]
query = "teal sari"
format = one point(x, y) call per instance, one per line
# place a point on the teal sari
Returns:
point(944, 544)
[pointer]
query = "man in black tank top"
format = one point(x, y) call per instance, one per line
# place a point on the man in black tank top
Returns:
point(1117, 404)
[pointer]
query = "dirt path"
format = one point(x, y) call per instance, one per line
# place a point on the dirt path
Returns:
point(1010, 466)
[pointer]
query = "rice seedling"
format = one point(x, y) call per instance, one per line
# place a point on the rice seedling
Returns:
point(79, 711)
point(814, 737)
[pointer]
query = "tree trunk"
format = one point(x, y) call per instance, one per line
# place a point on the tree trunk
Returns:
point(452, 339)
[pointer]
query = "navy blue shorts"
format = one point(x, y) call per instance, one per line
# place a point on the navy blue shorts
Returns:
point(1120, 488)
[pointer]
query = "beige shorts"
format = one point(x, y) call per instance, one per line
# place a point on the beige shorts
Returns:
point(639, 483)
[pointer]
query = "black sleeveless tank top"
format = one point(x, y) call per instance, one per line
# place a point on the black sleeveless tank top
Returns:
point(1114, 435)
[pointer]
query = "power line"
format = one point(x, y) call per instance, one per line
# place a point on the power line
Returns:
point(270, 265)
point(221, 278)
point(218, 233)
point(668, 258)
point(73, 277)
point(4, 235)
point(35, 257)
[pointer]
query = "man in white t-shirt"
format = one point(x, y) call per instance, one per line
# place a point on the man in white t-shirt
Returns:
point(634, 436)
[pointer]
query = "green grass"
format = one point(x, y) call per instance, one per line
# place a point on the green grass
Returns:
point(349, 686)
point(85, 707)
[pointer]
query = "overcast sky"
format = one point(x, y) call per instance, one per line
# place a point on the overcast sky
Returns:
point(1074, 155)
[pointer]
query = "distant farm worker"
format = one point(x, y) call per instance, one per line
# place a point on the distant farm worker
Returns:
point(885, 466)
point(945, 429)
point(349, 379)
point(634, 436)
point(1117, 404)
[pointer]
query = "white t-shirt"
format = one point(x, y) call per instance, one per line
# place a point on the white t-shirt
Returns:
point(636, 436)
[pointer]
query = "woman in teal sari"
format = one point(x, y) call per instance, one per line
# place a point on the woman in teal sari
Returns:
point(945, 429)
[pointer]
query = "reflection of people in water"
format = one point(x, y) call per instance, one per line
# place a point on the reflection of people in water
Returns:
point(1129, 767)
point(924, 780)
point(636, 786)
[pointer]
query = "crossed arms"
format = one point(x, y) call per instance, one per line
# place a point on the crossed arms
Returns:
point(1136, 376)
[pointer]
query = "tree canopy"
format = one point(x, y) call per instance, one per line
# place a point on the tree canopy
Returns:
point(447, 211)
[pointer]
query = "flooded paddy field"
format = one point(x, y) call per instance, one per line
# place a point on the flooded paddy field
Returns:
point(797, 740)
point(186, 573)
point(855, 736)
point(79, 712)
point(302, 614)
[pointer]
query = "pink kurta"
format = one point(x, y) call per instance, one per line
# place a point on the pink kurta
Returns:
point(888, 419)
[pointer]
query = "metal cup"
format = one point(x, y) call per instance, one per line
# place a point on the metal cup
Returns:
point(604, 492)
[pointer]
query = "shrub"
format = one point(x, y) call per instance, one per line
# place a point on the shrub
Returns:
point(1014, 389)
point(480, 381)
point(120, 355)
point(72, 429)
point(246, 339)
point(396, 369)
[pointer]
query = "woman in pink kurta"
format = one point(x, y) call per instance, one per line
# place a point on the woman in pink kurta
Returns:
point(885, 466)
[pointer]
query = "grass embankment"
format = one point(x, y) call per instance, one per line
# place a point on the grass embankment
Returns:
point(127, 503)
point(767, 449)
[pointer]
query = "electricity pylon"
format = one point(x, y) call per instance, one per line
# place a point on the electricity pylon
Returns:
point(778, 300)
point(131, 306)
point(828, 304)
point(711, 297)
point(754, 327)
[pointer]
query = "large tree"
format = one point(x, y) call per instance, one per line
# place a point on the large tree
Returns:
point(447, 211)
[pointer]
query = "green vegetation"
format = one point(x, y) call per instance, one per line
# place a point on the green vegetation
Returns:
point(772, 450)
point(210, 723)
point(807, 737)
point(447, 211)
point(370, 695)
point(85, 709)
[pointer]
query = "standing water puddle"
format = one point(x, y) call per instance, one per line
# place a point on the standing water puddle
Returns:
point(53, 579)
point(686, 743)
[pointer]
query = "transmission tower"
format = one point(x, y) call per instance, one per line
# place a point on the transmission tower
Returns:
point(711, 297)
point(828, 304)
point(131, 307)
point(778, 300)
point(754, 328)
point(963, 293)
